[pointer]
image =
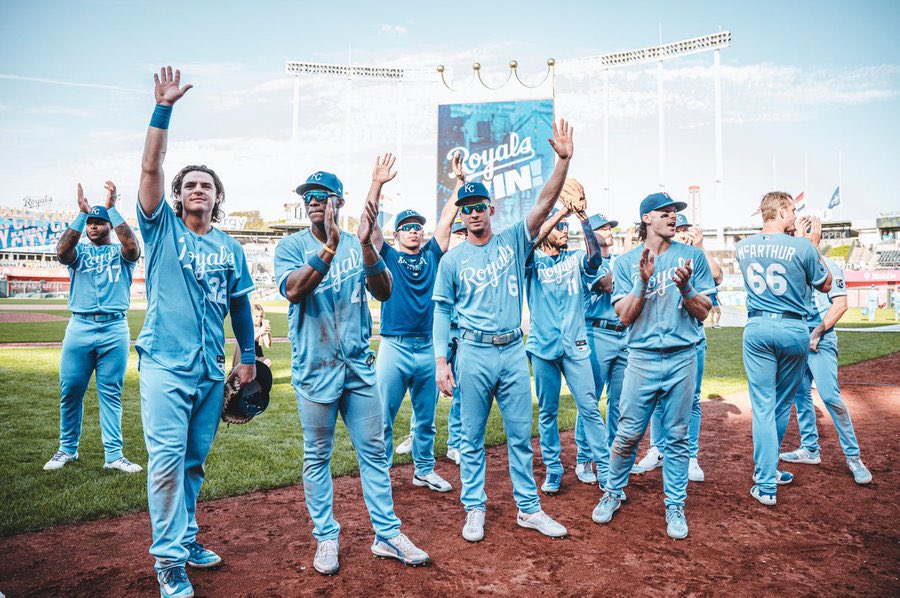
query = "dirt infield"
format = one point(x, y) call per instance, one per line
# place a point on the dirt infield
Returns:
point(17, 317)
point(827, 536)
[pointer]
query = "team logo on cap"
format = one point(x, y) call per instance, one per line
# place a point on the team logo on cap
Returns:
point(317, 176)
point(95, 210)
point(470, 188)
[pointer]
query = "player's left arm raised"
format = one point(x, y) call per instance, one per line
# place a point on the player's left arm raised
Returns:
point(811, 228)
point(378, 277)
point(564, 147)
point(448, 213)
point(131, 251)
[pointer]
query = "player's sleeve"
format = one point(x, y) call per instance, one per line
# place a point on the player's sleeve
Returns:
point(701, 278)
point(590, 279)
point(242, 283)
point(838, 284)
point(519, 237)
point(622, 281)
point(387, 252)
point(79, 253)
point(289, 256)
point(433, 248)
point(443, 283)
point(812, 264)
point(153, 225)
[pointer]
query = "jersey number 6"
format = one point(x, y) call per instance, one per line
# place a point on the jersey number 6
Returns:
point(774, 279)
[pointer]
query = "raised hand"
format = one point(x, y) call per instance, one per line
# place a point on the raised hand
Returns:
point(168, 90)
point(801, 224)
point(697, 237)
point(457, 166)
point(111, 195)
point(647, 265)
point(332, 232)
point(682, 275)
point(367, 222)
point(813, 231)
point(382, 173)
point(83, 204)
point(562, 139)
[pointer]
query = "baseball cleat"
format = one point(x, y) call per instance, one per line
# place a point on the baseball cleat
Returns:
point(766, 498)
point(59, 460)
point(326, 561)
point(604, 510)
point(695, 474)
point(432, 481)
point(541, 522)
point(783, 478)
point(551, 484)
point(473, 531)
point(651, 461)
point(453, 455)
point(123, 464)
point(401, 548)
point(585, 473)
point(861, 474)
point(676, 523)
point(801, 455)
point(200, 557)
point(174, 583)
point(405, 447)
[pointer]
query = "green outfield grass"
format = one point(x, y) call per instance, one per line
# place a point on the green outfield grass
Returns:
point(854, 318)
point(266, 453)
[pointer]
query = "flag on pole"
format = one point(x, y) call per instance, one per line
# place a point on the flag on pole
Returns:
point(835, 198)
point(800, 201)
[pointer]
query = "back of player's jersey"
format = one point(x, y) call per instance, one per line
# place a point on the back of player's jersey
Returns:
point(778, 270)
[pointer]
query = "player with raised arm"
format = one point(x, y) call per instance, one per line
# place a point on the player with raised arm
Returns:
point(661, 290)
point(780, 271)
point(97, 336)
point(482, 278)
point(196, 275)
point(325, 272)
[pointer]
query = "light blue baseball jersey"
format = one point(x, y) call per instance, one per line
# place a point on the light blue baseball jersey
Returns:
point(100, 279)
point(822, 301)
point(664, 321)
point(484, 282)
point(330, 328)
point(555, 304)
point(778, 270)
point(598, 306)
point(191, 280)
point(872, 297)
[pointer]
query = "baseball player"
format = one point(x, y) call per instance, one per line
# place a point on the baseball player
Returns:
point(825, 311)
point(406, 353)
point(325, 272)
point(483, 279)
point(661, 290)
point(895, 298)
point(557, 341)
point(778, 271)
point(654, 457)
point(715, 314)
point(97, 336)
point(872, 302)
point(609, 353)
point(196, 275)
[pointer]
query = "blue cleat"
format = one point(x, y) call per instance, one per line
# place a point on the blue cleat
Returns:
point(401, 548)
point(200, 557)
point(174, 583)
point(551, 484)
point(676, 523)
point(783, 478)
point(604, 510)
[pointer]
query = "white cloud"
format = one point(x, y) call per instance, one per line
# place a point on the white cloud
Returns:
point(13, 77)
point(392, 29)
point(60, 111)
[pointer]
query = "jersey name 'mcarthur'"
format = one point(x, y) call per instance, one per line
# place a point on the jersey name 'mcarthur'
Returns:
point(773, 251)
point(480, 278)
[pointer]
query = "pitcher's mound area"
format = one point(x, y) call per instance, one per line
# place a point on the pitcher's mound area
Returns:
point(827, 536)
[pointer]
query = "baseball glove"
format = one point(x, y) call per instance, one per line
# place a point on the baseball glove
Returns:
point(572, 196)
point(243, 404)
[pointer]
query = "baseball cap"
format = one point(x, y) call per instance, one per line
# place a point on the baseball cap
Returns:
point(408, 215)
point(458, 226)
point(656, 201)
point(251, 399)
point(598, 220)
point(681, 220)
point(100, 213)
point(472, 190)
point(322, 180)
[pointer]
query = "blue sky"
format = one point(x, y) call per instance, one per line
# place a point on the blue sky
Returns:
point(801, 81)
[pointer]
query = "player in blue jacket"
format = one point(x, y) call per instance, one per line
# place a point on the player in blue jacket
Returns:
point(661, 294)
point(196, 275)
point(97, 336)
point(483, 279)
point(779, 272)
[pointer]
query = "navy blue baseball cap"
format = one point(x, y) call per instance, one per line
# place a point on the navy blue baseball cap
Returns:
point(472, 190)
point(100, 213)
point(409, 215)
point(598, 220)
point(324, 181)
point(656, 201)
point(681, 220)
point(458, 227)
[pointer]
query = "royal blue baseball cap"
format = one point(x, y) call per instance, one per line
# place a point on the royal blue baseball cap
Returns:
point(598, 220)
point(100, 213)
point(681, 220)
point(409, 215)
point(324, 181)
point(458, 227)
point(657, 201)
point(469, 190)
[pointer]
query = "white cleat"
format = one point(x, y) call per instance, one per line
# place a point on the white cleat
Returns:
point(651, 461)
point(123, 464)
point(326, 561)
point(401, 548)
point(405, 447)
point(695, 474)
point(473, 531)
point(453, 455)
point(861, 474)
point(802, 455)
point(59, 460)
point(585, 473)
point(541, 522)
point(432, 481)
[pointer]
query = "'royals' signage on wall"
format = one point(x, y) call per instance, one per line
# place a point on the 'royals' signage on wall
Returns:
point(504, 145)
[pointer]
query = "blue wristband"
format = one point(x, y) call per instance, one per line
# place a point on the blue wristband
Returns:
point(318, 264)
point(376, 268)
point(79, 222)
point(638, 290)
point(690, 293)
point(114, 217)
point(161, 116)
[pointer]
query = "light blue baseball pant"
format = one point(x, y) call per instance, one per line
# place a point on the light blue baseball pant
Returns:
point(822, 366)
point(580, 380)
point(651, 379)
point(871, 309)
point(89, 346)
point(488, 371)
point(407, 363)
point(656, 437)
point(775, 353)
point(361, 409)
point(609, 356)
point(180, 412)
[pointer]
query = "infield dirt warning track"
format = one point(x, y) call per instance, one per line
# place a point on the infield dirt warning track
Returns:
point(826, 536)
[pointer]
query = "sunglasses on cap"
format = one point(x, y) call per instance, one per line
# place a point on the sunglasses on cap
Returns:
point(477, 207)
point(411, 226)
point(319, 195)
point(562, 225)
